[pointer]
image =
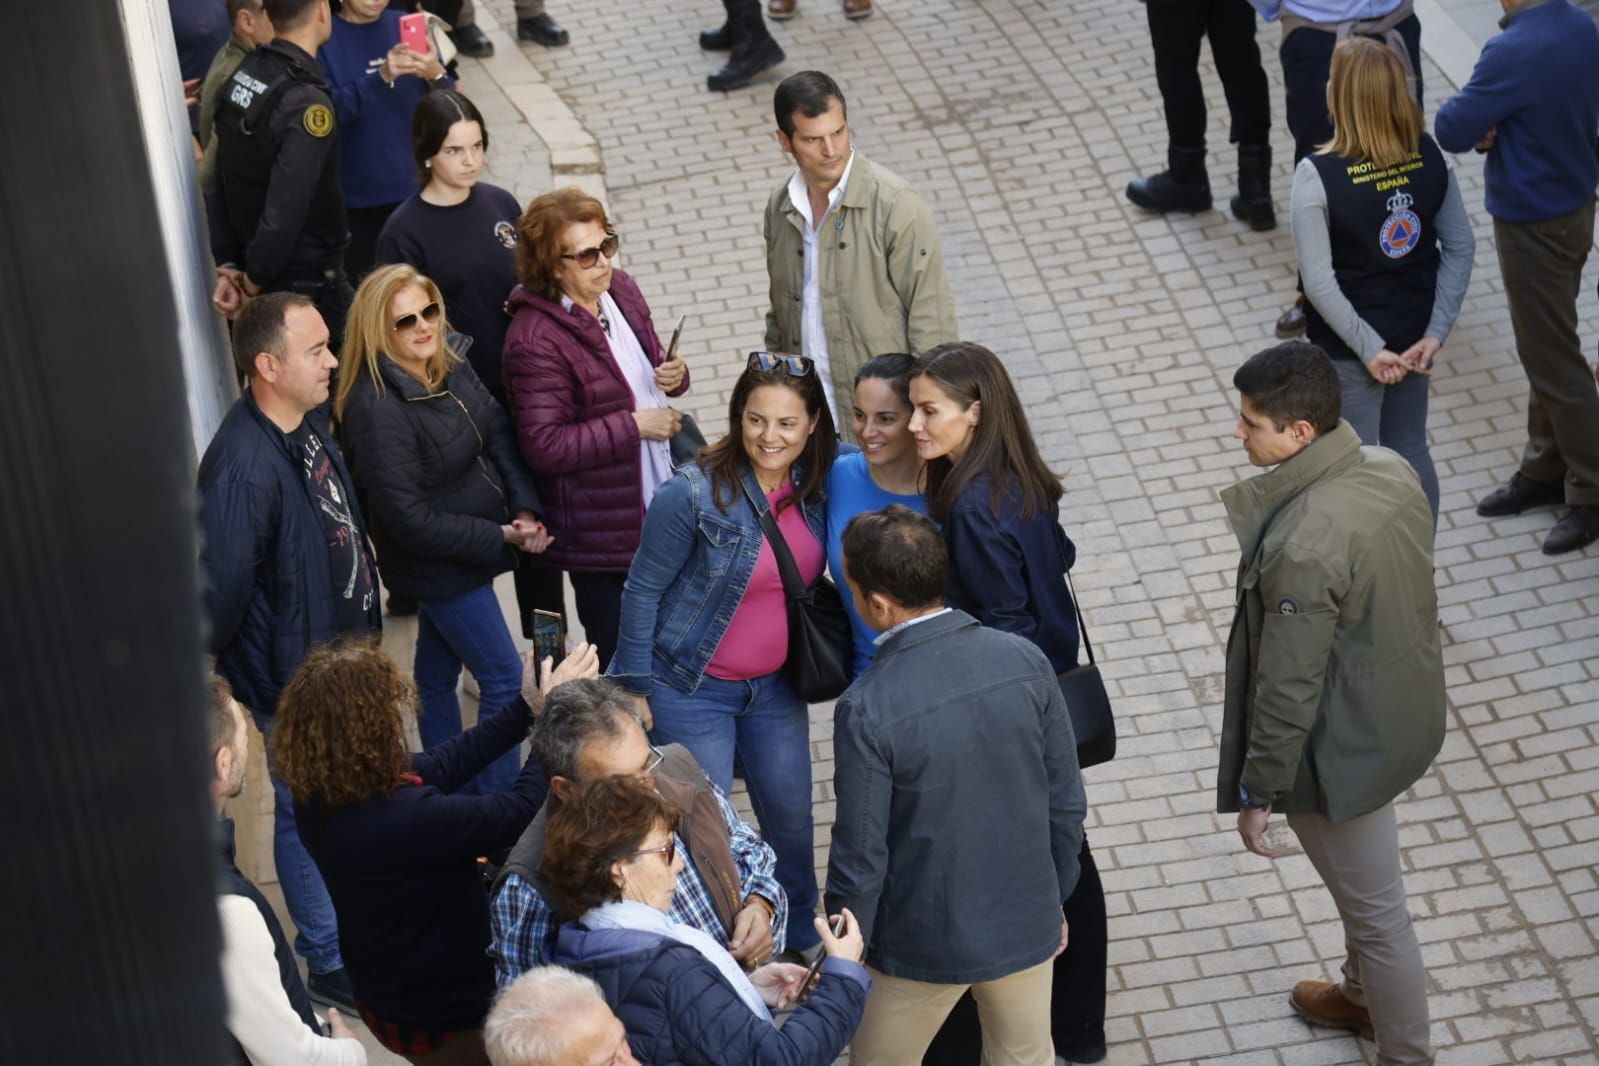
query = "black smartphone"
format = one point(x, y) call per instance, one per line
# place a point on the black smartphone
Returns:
point(814, 970)
point(677, 335)
point(549, 636)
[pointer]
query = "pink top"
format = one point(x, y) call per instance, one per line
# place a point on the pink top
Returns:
point(756, 641)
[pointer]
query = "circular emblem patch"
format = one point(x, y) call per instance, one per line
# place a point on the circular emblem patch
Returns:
point(1287, 606)
point(506, 233)
point(318, 120)
point(1401, 232)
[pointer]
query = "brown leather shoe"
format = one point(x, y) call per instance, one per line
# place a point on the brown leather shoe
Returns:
point(857, 9)
point(1323, 1003)
point(781, 9)
point(1292, 322)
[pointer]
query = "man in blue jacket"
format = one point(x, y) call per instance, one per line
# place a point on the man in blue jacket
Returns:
point(960, 809)
point(286, 562)
point(1532, 105)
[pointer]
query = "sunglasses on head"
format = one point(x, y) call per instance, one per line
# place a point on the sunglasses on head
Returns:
point(428, 314)
point(795, 366)
point(589, 256)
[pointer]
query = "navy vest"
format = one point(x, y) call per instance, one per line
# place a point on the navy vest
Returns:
point(1384, 246)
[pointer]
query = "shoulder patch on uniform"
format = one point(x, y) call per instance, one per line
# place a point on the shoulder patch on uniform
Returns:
point(1287, 606)
point(318, 120)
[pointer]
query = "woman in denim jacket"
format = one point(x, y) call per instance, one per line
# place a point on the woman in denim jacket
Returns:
point(704, 631)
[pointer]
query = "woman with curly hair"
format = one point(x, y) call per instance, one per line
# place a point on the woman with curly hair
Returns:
point(398, 844)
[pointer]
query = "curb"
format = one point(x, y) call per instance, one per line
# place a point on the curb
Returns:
point(1445, 43)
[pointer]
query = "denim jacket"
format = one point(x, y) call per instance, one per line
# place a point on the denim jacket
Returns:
point(693, 564)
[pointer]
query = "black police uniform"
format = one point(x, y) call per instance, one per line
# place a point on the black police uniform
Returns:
point(275, 208)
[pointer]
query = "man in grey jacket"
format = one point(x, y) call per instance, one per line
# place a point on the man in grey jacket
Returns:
point(960, 808)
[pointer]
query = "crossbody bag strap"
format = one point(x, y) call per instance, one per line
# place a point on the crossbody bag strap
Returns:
point(787, 569)
point(1082, 626)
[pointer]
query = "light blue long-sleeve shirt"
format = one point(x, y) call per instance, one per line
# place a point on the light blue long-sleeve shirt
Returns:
point(1325, 10)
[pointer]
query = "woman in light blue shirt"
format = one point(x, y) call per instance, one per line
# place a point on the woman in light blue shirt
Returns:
point(886, 470)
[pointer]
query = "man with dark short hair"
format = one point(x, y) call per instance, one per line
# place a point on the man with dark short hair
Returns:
point(251, 29)
point(286, 562)
point(851, 250)
point(960, 808)
point(1334, 701)
point(589, 729)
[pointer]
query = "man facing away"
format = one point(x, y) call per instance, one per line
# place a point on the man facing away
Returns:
point(851, 250)
point(252, 28)
point(1532, 105)
point(587, 730)
point(960, 808)
point(286, 562)
point(1335, 683)
point(554, 1017)
point(269, 1013)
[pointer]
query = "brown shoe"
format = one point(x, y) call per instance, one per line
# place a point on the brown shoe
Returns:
point(1323, 1003)
point(1292, 322)
point(781, 9)
point(857, 9)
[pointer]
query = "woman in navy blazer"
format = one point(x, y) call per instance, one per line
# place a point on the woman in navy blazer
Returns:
point(998, 504)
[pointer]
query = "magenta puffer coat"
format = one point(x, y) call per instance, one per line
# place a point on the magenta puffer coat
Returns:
point(573, 413)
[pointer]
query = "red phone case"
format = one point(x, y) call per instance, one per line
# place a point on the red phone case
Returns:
point(414, 33)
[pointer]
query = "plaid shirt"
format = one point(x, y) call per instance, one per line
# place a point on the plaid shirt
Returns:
point(524, 926)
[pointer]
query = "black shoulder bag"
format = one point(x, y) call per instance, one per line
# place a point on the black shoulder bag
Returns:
point(1087, 701)
point(819, 636)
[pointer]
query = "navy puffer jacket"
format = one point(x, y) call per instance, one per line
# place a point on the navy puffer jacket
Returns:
point(679, 1010)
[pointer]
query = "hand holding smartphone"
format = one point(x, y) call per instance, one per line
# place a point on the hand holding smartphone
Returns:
point(813, 972)
point(414, 33)
point(549, 636)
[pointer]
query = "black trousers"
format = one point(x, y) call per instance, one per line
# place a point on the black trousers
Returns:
point(1077, 1002)
point(329, 289)
point(1176, 27)
point(365, 225)
point(1307, 59)
point(599, 608)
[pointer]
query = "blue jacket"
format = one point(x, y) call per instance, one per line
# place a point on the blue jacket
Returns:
point(375, 164)
point(693, 564)
point(1538, 84)
point(269, 589)
point(677, 1008)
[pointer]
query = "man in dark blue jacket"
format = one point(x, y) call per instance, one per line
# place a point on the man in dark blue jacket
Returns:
point(960, 807)
point(286, 562)
point(1532, 105)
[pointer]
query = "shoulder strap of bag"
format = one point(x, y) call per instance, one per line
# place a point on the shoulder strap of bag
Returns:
point(793, 587)
point(1082, 626)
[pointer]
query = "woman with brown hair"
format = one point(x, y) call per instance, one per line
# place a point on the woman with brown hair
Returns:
point(704, 634)
point(998, 504)
point(1385, 249)
point(610, 858)
point(587, 383)
point(398, 842)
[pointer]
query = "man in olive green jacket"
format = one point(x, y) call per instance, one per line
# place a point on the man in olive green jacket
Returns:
point(851, 249)
point(1335, 682)
point(252, 28)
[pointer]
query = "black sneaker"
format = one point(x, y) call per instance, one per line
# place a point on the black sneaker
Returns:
point(541, 29)
point(333, 989)
point(471, 41)
point(1577, 528)
point(1520, 494)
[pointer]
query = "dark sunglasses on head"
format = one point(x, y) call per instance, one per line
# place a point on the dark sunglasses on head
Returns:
point(795, 366)
point(589, 256)
point(428, 314)
point(669, 850)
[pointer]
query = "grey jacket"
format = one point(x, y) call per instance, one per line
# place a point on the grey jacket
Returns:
point(960, 806)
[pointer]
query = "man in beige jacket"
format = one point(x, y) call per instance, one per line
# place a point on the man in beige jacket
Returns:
point(851, 249)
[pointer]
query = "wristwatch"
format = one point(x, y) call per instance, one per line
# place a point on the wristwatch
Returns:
point(1251, 803)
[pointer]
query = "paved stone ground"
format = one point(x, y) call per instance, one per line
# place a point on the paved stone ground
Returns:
point(1020, 122)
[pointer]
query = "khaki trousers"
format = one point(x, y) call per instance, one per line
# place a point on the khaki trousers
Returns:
point(902, 1017)
point(1358, 860)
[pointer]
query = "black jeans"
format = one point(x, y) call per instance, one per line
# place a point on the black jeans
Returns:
point(1077, 1002)
point(1307, 59)
point(599, 608)
point(1176, 27)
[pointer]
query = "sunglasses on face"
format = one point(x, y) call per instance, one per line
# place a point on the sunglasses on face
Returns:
point(589, 256)
point(428, 314)
point(669, 849)
point(795, 366)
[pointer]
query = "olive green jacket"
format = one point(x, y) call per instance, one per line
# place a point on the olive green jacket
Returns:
point(216, 79)
point(882, 275)
point(1335, 677)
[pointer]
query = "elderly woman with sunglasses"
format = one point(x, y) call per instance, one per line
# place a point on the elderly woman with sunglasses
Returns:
point(704, 621)
point(448, 500)
point(587, 383)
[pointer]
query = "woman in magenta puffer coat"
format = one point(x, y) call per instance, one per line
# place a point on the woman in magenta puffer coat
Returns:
point(587, 383)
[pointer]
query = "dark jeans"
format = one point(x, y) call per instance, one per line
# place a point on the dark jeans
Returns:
point(1176, 27)
point(1077, 1003)
point(599, 608)
point(1307, 60)
point(468, 629)
point(365, 225)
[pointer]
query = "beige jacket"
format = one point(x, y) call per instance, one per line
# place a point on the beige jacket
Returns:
point(882, 275)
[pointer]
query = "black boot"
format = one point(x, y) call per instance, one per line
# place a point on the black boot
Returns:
point(754, 50)
point(1183, 187)
point(717, 40)
point(1253, 202)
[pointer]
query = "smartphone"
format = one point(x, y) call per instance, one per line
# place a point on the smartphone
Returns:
point(677, 335)
point(814, 970)
point(414, 33)
point(549, 636)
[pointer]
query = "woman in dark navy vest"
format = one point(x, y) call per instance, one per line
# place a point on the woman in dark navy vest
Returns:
point(1385, 248)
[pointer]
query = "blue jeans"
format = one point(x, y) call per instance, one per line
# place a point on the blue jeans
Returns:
point(467, 629)
point(316, 936)
point(1394, 416)
point(768, 727)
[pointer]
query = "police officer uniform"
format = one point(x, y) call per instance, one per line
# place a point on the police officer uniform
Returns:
point(275, 207)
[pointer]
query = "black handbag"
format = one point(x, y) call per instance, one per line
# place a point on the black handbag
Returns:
point(1087, 701)
point(819, 634)
point(686, 442)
